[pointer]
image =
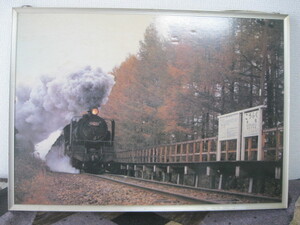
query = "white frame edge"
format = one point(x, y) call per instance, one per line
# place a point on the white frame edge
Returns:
point(138, 208)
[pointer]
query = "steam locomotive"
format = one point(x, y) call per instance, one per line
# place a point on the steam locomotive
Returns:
point(88, 140)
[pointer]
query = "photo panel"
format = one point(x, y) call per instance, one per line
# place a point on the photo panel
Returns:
point(140, 110)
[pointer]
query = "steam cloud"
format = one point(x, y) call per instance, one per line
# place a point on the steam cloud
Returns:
point(51, 104)
point(58, 162)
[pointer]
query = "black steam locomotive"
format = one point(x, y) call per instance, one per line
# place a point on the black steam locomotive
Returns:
point(88, 140)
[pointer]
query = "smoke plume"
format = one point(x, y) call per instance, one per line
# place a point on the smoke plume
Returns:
point(50, 105)
point(58, 162)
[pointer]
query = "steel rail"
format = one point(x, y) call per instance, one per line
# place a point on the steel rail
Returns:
point(179, 196)
point(243, 195)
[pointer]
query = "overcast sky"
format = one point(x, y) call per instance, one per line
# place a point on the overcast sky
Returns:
point(54, 43)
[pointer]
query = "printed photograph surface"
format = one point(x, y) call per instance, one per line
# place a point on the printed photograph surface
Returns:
point(133, 109)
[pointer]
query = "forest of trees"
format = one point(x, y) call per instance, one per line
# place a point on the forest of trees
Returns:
point(177, 85)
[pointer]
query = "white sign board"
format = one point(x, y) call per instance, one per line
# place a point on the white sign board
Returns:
point(251, 123)
point(229, 126)
point(239, 125)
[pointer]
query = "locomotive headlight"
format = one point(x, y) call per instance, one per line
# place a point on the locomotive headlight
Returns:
point(95, 111)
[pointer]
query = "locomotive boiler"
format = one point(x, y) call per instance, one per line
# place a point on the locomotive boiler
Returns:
point(88, 140)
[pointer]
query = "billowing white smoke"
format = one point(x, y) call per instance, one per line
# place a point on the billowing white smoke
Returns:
point(58, 162)
point(52, 103)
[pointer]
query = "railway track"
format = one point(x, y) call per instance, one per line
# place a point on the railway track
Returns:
point(88, 189)
point(186, 198)
point(191, 194)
